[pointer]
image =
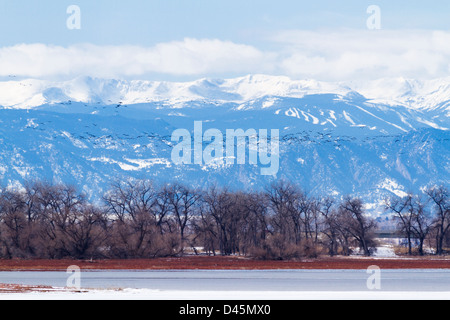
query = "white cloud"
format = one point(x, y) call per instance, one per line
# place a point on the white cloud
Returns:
point(322, 55)
point(187, 57)
point(356, 54)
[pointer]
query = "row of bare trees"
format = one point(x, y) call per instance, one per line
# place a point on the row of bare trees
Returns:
point(423, 218)
point(142, 220)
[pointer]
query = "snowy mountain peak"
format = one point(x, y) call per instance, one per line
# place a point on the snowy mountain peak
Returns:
point(413, 94)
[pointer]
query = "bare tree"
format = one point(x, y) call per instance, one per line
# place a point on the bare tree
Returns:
point(229, 211)
point(423, 223)
point(330, 225)
point(86, 232)
point(205, 231)
point(56, 203)
point(13, 222)
point(404, 211)
point(358, 224)
point(183, 205)
point(138, 218)
point(439, 196)
point(286, 210)
point(255, 226)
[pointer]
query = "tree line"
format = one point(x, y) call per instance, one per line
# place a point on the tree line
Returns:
point(141, 219)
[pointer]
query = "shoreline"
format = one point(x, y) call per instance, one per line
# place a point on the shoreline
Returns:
point(228, 263)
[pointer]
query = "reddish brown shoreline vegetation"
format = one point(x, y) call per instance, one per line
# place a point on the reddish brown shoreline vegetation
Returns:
point(227, 263)
point(15, 288)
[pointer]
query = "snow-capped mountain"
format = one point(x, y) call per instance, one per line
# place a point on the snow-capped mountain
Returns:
point(395, 91)
point(371, 139)
point(32, 93)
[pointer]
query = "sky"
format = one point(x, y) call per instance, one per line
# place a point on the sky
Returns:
point(189, 39)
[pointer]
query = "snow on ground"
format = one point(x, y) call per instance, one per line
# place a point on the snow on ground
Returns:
point(385, 252)
point(147, 294)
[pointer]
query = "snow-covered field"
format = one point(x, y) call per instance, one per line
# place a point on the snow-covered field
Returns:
point(147, 294)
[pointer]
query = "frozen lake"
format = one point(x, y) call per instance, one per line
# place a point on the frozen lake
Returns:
point(256, 281)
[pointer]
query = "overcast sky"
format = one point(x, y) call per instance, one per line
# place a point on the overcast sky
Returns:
point(190, 39)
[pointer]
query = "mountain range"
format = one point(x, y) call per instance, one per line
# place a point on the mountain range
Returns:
point(370, 139)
